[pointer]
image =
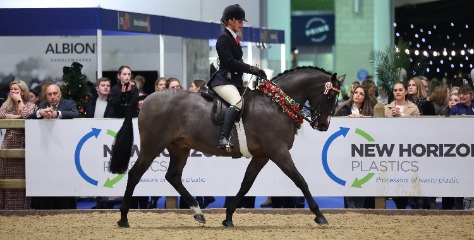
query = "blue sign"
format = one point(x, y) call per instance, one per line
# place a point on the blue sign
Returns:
point(312, 30)
point(362, 74)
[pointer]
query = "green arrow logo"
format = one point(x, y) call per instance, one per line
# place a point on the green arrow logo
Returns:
point(110, 183)
point(358, 183)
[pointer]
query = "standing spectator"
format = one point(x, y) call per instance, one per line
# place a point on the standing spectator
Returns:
point(197, 85)
point(55, 107)
point(173, 83)
point(16, 106)
point(160, 84)
point(101, 107)
point(401, 107)
point(355, 107)
point(139, 81)
point(123, 92)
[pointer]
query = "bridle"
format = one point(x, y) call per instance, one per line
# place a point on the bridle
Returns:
point(328, 87)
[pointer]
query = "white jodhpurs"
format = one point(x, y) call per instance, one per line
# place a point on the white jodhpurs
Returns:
point(230, 94)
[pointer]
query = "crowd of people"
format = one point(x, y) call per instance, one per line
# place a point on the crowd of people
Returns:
point(416, 97)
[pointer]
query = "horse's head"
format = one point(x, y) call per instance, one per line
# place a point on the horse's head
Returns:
point(324, 102)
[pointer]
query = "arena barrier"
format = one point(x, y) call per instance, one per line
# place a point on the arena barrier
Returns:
point(58, 168)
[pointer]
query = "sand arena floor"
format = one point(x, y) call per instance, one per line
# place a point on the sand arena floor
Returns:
point(249, 224)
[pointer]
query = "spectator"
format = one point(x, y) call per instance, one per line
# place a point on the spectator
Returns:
point(16, 106)
point(139, 81)
point(453, 100)
point(173, 83)
point(123, 92)
point(357, 106)
point(371, 88)
point(417, 94)
point(101, 107)
point(401, 107)
point(160, 84)
point(440, 98)
point(197, 85)
point(34, 97)
point(55, 107)
point(354, 85)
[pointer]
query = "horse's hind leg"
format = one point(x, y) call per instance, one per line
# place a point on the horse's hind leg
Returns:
point(253, 169)
point(285, 163)
point(134, 175)
point(178, 159)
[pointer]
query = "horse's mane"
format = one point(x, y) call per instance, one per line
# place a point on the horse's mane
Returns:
point(299, 68)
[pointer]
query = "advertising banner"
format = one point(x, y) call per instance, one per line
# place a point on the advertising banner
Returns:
point(355, 157)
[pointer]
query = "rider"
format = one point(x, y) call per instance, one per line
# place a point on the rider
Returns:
point(227, 81)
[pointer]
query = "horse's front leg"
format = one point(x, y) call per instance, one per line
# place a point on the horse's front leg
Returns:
point(253, 169)
point(178, 158)
point(285, 163)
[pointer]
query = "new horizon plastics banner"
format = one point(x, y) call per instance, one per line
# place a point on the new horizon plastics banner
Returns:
point(355, 157)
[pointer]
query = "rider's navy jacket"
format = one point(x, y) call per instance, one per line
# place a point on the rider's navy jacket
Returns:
point(231, 65)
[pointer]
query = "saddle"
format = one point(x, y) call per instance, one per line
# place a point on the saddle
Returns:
point(219, 106)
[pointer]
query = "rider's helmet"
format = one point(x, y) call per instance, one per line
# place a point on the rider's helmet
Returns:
point(233, 11)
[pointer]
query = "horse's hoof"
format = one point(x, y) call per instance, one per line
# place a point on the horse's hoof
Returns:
point(123, 224)
point(321, 220)
point(228, 148)
point(227, 223)
point(200, 218)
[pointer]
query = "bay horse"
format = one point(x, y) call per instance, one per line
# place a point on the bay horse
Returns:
point(180, 121)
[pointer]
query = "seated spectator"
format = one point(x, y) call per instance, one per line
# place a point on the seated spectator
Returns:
point(139, 81)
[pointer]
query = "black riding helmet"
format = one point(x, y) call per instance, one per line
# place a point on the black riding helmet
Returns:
point(233, 11)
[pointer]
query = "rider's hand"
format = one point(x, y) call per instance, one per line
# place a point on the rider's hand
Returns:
point(258, 72)
point(262, 74)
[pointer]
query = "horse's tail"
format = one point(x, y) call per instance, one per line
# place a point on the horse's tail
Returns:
point(123, 143)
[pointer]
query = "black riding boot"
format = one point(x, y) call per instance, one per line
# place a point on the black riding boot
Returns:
point(229, 120)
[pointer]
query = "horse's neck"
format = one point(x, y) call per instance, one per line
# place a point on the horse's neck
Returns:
point(299, 88)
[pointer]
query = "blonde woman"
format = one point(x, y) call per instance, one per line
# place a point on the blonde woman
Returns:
point(16, 106)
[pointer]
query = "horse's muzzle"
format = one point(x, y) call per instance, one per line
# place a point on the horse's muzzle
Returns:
point(321, 123)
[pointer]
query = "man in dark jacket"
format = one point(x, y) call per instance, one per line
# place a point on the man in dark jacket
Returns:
point(101, 107)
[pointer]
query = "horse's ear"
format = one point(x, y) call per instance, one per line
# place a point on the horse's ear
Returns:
point(342, 78)
point(334, 77)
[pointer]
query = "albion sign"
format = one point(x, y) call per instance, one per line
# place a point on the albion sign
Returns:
point(70, 48)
